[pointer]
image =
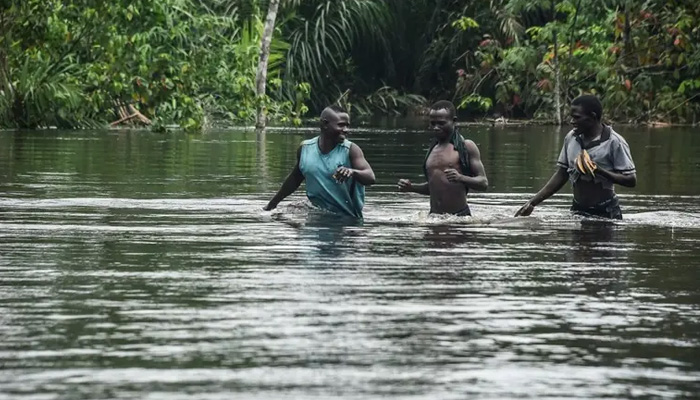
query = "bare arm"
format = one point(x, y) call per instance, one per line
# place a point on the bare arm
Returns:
point(622, 162)
point(479, 180)
point(628, 180)
point(422, 188)
point(361, 170)
point(291, 184)
point(406, 185)
point(555, 183)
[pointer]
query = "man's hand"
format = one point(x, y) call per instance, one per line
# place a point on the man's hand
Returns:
point(525, 210)
point(342, 174)
point(453, 176)
point(405, 185)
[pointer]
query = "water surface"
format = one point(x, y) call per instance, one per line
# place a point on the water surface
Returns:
point(140, 265)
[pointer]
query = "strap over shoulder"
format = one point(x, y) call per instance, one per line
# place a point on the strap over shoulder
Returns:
point(457, 141)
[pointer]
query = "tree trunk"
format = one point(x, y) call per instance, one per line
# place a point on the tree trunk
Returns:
point(557, 83)
point(261, 76)
point(261, 141)
point(557, 77)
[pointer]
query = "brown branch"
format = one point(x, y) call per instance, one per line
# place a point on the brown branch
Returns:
point(140, 116)
point(123, 119)
point(128, 112)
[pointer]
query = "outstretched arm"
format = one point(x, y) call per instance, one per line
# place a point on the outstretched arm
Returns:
point(555, 183)
point(406, 185)
point(361, 170)
point(294, 179)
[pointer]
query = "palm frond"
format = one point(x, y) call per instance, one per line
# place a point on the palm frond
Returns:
point(322, 35)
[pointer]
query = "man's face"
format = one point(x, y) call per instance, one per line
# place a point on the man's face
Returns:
point(441, 123)
point(582, 121)
point(337, 126)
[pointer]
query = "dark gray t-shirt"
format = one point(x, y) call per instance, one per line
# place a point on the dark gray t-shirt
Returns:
point(610, 152)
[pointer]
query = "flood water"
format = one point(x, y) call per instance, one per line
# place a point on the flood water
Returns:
point(140, 265)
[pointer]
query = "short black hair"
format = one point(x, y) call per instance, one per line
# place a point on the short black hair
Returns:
point(338, 108)
point(332, 110)
point(590, 104)
point(445, 105)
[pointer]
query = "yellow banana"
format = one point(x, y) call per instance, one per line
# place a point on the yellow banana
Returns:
point(579, 164)
point(588, 162)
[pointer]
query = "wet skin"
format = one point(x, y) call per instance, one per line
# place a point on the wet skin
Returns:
point(446, 196)
point(446, 185)
point(335, 126)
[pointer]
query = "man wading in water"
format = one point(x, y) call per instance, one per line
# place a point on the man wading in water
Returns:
point(334, 168)
point(452, 165)
point(593, 158)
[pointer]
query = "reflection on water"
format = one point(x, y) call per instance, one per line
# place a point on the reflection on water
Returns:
point(135, 265)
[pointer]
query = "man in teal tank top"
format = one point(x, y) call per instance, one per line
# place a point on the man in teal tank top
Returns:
point(335, 169)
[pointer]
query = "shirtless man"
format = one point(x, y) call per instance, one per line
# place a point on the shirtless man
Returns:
point(452, 165)
point(610, 163)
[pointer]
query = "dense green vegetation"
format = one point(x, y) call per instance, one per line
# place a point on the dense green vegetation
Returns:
point(191, 62)
point(65, 63)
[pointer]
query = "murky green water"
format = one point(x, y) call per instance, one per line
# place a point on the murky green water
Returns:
point(137, 265)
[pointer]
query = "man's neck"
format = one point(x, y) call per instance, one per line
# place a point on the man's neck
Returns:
point(447, 138)
point(325, 144)
point(594, 133)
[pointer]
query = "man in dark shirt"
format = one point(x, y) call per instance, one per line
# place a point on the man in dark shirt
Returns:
point(612, 163)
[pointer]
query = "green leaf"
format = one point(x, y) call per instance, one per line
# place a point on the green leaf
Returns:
point(465, 23)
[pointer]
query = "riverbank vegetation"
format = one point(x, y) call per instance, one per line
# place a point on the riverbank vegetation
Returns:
point(192, 62)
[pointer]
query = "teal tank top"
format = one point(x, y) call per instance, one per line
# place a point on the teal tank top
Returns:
point(323, 191)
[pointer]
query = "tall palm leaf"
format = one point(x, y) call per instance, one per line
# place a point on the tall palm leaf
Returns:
point(322, 35)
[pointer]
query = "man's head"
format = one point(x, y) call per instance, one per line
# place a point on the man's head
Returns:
point(586, 113)
point(335, 123)
point(443, 116)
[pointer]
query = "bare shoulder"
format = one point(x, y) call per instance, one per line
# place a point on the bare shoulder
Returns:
point(355, 149)
point(472, 148)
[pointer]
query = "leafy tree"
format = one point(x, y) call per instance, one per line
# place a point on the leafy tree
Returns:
point(66, 63)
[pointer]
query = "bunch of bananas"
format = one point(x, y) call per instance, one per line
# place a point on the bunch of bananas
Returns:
point(584, 164)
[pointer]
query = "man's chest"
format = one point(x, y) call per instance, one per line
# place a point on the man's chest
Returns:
point(315, 163)
point(599, 154)
point(442, 157)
